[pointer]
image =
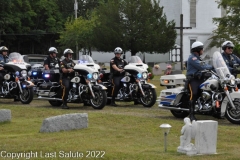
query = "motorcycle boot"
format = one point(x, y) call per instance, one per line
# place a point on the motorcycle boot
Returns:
point(1, 90)
point(64, 106)
point(113, 102)
point(192, 108)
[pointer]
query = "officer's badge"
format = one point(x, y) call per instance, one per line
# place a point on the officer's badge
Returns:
point(45, 58)
point(227, 61)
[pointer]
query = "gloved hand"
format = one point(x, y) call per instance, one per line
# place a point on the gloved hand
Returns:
point(236, 70)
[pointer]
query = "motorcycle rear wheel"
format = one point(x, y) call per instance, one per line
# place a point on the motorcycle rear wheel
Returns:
point(100, 99)
point(232, 115)
point(26, 96)
point(150, 98)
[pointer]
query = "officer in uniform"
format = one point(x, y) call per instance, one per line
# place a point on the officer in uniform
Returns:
point(117, 73)
point(3, 59)
point(51, 60)
point(66, 67)
point(229, 58)
point(194, 66)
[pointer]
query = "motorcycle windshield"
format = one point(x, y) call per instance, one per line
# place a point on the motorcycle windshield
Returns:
point(220, 65)
point(134, 59)
point(85, 59)
point(15, 57)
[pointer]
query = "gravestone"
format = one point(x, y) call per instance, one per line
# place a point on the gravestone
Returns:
point(65, 122)
point(206, 137)
point(5, 115)
point(157, 70)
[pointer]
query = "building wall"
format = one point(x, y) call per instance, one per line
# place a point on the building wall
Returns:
point(206, 10)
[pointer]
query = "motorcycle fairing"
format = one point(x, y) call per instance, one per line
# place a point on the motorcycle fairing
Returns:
point(171, 96)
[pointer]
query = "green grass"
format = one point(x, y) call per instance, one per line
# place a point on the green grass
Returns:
point(124, 132)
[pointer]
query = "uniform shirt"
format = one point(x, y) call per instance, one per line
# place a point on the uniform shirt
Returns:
point(194, 65)
point(3, 59)
point(67, 65)
point(51, 62)
point(120, 63)
point(230, 60)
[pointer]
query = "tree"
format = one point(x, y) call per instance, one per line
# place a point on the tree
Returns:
point(80, 31)
point(134, 25)
point(228, 25)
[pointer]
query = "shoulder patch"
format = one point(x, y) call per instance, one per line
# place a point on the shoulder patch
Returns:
point(194, 58)
point(45, 58)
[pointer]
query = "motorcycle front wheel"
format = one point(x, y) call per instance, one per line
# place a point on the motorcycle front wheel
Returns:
point(55, 103)
point(179, 114)
point(233, 115)
point(150, 97)
point(100, 99)
point(26, 96)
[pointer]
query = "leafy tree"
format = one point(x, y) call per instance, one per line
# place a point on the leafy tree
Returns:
point(228, 25)
point(80, 31)
point(134, 25)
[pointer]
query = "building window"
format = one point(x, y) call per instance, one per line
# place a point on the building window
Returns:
point(193, 13)
point(191, 42)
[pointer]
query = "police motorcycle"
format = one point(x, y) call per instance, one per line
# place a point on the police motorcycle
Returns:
point(84, 86)
point(219, 94)
point(36, 75)
point(16, 83)
point(134, 86)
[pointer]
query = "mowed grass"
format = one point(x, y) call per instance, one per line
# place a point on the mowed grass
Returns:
point(124, 132)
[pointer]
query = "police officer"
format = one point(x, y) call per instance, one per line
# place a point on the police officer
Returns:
point(51, 60)
point(194, 66)
point(116, 68)
point(3, 59)
point(229, 58)
point(66, 67)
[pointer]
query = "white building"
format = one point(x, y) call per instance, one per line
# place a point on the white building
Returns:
point(197, 14)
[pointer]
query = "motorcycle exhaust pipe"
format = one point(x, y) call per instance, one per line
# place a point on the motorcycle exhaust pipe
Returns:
point(46, 98)
point(173, 108)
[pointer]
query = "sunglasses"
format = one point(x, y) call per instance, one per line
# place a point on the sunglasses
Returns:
point(229, 47)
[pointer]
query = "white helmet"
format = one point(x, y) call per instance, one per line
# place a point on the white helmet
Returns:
point(227, 44)
point(66, 51)
point(197, 44)
point(3, 48)
point(52, 50)
point(118, 50)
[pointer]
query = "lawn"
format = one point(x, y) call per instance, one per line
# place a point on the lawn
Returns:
point(123, 132)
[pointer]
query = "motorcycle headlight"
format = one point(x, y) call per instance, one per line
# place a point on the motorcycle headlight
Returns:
point(89, 76)
point(24, 73)
point(46, 75)
point(17, 73)
point(95, 76)
point(139, 75)
point(34, 73)
point(144, 75)
point(232, 80)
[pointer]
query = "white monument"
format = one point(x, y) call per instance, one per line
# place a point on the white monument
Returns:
point(203, 132)
point(188, 133)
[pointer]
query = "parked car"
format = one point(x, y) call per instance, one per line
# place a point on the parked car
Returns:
point(34, 59)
